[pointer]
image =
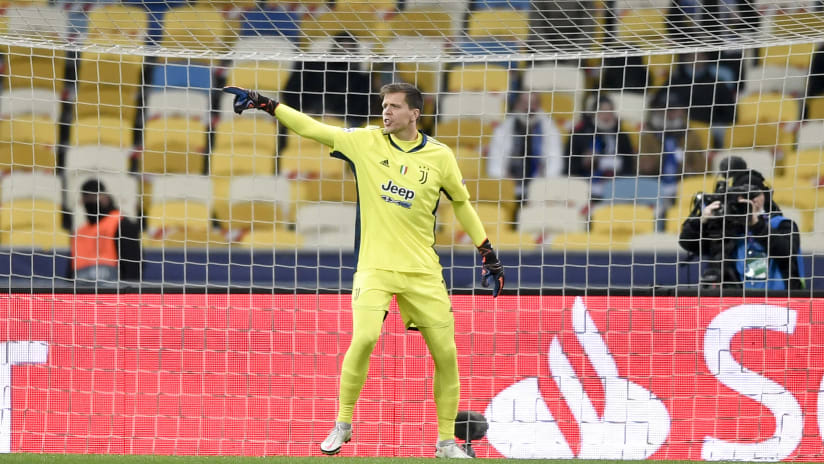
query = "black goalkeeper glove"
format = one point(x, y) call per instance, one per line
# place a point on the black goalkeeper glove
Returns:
point(246, 99)
point(491, 268)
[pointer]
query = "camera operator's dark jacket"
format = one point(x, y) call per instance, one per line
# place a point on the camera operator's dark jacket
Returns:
point(778, 237)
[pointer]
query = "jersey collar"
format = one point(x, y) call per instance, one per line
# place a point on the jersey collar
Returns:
point(414, 149)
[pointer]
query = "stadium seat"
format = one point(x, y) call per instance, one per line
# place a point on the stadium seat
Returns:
point(97, 159)
point(498, 23)
point(431, 22)
point(498, 223)
point(806, 165)
point(180, 213)
point(477, 78)
point(807, 198)
point(471, 162)
point(488, 107)
point(105, 130)
point(30, 212)
point(255, 202)
point(642, 27)
point(327, 226)
point(510, 4)
point(783, 69)
point(493, 191)
point(464, 132)
point(26, 66)
point(105, 101)
point(687, 188)
point(173, 145)
point(545, 220)
point(23, 101)
point(181, 75)
point(360, 24)
point(27, 142)
point(270, 21)
point(330, 190)
point(764, 120)
point(811, 135)
point(570, 192)
point(631, 108)
point(118, 24)
point(266, 76)
point(636, 190)
point(254, 136)
point(623, 220)
point(178, 103)
point(196, 27)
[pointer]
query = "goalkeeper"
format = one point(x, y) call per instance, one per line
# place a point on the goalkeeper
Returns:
point(400, 174)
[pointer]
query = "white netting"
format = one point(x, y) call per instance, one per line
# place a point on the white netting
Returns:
point(130, 92)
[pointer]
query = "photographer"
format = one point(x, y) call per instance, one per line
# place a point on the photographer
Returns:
point(742, 237)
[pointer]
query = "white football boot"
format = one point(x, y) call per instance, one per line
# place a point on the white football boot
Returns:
point(450, 449)
point(339, 435)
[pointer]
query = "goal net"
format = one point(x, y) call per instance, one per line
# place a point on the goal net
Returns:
point(592, 135)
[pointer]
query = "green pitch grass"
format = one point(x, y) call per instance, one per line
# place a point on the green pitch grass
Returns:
point(111, 459)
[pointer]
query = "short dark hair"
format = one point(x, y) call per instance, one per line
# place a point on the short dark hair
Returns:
point(413, 96)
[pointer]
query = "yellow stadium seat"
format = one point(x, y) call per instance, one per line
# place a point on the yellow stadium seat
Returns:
point(110, 69)
point(314, 190)
point(660, 67)
point(589, 241)
point(117, 24)
point(642, 27)
point(198, 27)
point(471, 162)
point(623, 220)
point(793, 25)
point(767, 107)
point(32, 224)
point(262, 75)
point(361, 24)
point(173, 145)
point(429, 22)
point(766, 136)
point(687, 189)
point(464, 132)
point(499, 226)
point(103, 100)
point(180, 214)
point(499, 23)
point(497, 191)
point(805, 165)
point(30, 212)
point(258, 202)
point(815, 107)
point(105, 130)
point(27, 142)
point(561, 106)
point(307, 158)
point(477, 78)
point(798, 55)
point(28, 67)
point(807, 198)
point(246, 135)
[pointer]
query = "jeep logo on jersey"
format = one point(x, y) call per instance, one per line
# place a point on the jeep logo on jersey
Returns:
point(405, 193)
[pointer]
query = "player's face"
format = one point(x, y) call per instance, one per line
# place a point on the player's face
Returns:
point(398, 118)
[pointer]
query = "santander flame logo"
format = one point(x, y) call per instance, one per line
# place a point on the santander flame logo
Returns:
point(634, 424)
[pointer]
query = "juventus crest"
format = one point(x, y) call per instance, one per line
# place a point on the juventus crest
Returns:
point(424, 171)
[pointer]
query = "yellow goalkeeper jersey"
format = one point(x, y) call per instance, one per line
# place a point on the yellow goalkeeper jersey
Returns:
point(398, 193)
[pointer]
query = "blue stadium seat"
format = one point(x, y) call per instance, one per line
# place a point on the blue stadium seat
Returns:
point(191, 76)
point(491, 46)
point(156, 9)
point(508, 4)
point(274, 21)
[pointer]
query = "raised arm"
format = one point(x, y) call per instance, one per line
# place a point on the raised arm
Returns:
point(300, 123)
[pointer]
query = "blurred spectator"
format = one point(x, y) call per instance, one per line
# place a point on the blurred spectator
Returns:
point(562, 24)
point(667, 149)
point(696, 21)
point(598, 149)
point(624, 73)
point(106, 249)
point(708, 88)
point(527, 144)
point(331, 87)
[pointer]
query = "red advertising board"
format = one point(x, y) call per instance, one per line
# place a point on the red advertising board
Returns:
point(556, 377)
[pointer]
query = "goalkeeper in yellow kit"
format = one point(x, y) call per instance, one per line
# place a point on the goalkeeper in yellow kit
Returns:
point(400, 173)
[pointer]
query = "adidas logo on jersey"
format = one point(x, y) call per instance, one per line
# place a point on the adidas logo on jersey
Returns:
point(385, 163)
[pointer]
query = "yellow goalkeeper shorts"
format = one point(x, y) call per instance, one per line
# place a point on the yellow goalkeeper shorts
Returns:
point(422, 297)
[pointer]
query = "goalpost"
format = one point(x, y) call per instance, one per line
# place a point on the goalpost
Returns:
point(583, 129)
